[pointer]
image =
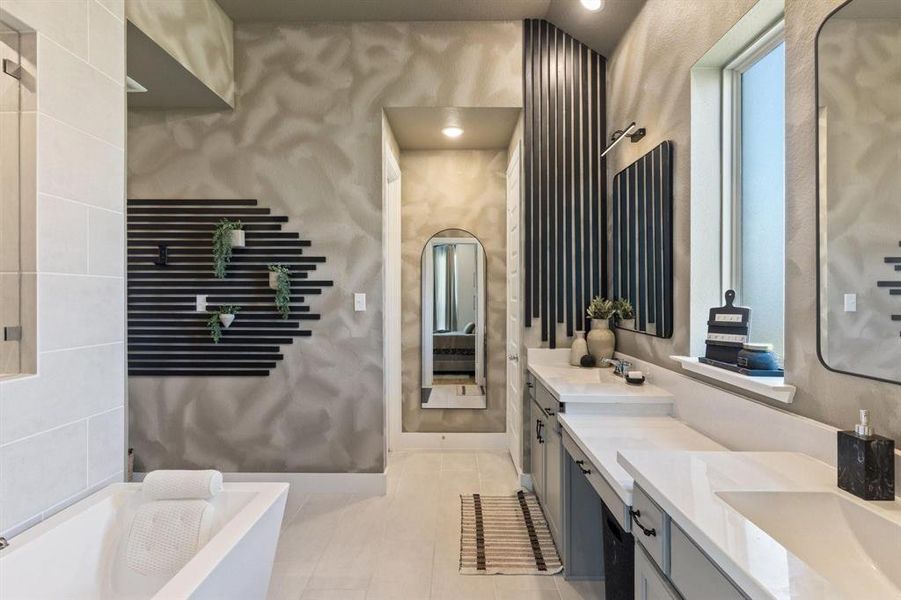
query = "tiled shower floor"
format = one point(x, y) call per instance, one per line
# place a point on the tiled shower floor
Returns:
point(404, 545)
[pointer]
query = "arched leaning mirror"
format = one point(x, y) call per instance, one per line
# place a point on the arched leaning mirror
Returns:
point(859, 184)
point(453, 321)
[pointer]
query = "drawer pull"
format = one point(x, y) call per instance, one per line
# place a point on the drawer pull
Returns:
point(538, 428)
point(648, 532)
point(583, 469)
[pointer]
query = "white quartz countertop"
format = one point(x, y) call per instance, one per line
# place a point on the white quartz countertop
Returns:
point(598, 385)
point(807, 539)
point(602, 437)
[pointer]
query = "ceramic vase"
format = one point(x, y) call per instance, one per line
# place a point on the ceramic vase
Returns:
point(237, 239)
point(578, 349)
point(601, 340)
point(226, 320)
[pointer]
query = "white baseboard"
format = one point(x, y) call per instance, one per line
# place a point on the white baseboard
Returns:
point(448, 441)
point(363, 484)
point(525, 480)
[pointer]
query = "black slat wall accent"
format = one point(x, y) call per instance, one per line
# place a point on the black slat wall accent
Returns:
point(166, 336)
point(565, 216)
point(896, 262)
point(642, 239)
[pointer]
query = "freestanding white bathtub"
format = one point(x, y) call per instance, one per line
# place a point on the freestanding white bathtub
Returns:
point(77, 554)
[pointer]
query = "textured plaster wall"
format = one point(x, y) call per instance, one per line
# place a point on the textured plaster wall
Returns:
point(649, 82)
point(860, 92)
point(305, 139)
point(454, 189)
point(196, 33)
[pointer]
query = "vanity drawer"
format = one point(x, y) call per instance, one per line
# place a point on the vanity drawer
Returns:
point(650, 526)
point(603, 489)
point(695, 575)
point(546, 401)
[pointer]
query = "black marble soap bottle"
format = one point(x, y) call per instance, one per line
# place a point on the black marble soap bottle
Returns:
point(866, 462)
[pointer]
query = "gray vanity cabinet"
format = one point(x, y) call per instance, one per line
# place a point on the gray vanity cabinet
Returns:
point(666, 559)
point(650, 583)
point(539, 430)
point(547, 458)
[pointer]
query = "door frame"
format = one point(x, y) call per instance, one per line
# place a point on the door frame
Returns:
point(514, 386)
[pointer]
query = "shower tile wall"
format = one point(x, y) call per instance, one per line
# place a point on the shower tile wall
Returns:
point(62, 431)
point(305, 139)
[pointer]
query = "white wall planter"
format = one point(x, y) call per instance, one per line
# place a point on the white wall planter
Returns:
point(237, 238)
point(226, 320)
point(273, 280)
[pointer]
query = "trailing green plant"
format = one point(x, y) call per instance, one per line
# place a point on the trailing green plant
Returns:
point(600, 309)
point(222, 245)
point(282, 289)
point(623, 308)
point(215, 325)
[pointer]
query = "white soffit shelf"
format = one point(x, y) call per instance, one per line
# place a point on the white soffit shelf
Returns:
point(774, 388)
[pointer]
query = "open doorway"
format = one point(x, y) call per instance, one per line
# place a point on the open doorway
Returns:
point(450, 345)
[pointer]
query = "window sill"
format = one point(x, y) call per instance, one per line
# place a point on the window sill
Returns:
point(774, 388)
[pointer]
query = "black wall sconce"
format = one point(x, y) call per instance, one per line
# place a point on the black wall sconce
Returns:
point(632, 131)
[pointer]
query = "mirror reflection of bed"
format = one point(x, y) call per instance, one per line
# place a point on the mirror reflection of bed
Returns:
point(453, 321)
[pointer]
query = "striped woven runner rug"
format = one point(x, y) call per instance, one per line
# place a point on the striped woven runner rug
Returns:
point(505, 535)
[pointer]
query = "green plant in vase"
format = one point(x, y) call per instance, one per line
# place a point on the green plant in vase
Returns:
point(221, 319)
point(601, 340)
point(227, 236)
point(280, 281)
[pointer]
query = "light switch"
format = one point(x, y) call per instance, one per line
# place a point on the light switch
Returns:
point(850, 302)
point(359, 302)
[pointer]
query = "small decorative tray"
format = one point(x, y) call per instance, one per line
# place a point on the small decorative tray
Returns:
point(742, 370)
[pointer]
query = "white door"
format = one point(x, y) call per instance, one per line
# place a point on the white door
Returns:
point(514, 312)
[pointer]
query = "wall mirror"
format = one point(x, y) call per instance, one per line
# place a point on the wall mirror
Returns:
point(453, 321)
point(859, 186)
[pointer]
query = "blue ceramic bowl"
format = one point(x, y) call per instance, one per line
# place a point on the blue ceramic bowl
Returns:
point(758, 357)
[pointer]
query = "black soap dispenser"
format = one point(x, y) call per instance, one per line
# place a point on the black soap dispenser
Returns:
point(866, 462)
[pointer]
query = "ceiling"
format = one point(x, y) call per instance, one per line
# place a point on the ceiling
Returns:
point(419, 128)
point(600, 30)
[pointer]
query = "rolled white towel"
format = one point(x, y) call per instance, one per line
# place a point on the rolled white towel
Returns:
point(182, 485)
point(166, 534)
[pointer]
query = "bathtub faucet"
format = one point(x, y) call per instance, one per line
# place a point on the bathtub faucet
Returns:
point(3, 543)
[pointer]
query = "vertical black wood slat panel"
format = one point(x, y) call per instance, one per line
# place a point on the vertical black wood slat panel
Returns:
point(601, 111)
point(567, 197)
point(537, 169)
point(544, 244)
point(623, 256)
point(560, 168)
point(551, 315)
point(586, 176)
point(527, 157)
point(578, 197)
point(565, 214)
point(632, 220)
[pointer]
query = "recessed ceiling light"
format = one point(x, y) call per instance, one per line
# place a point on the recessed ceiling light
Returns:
point(452, 132)
point(593, 5)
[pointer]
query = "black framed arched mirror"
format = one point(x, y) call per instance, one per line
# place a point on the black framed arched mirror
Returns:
point(454, 369)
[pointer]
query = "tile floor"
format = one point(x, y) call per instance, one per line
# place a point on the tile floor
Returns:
point(404, 545)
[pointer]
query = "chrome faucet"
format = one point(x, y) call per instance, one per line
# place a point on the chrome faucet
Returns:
point(620, 366)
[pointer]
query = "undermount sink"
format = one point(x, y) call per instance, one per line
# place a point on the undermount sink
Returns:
point(849, 545)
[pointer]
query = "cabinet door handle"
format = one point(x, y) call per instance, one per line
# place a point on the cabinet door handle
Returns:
point(538, 426)
point(583, 469)
point(550, 413)
point(648, 532)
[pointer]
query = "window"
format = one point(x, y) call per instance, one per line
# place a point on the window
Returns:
point(753, 253)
